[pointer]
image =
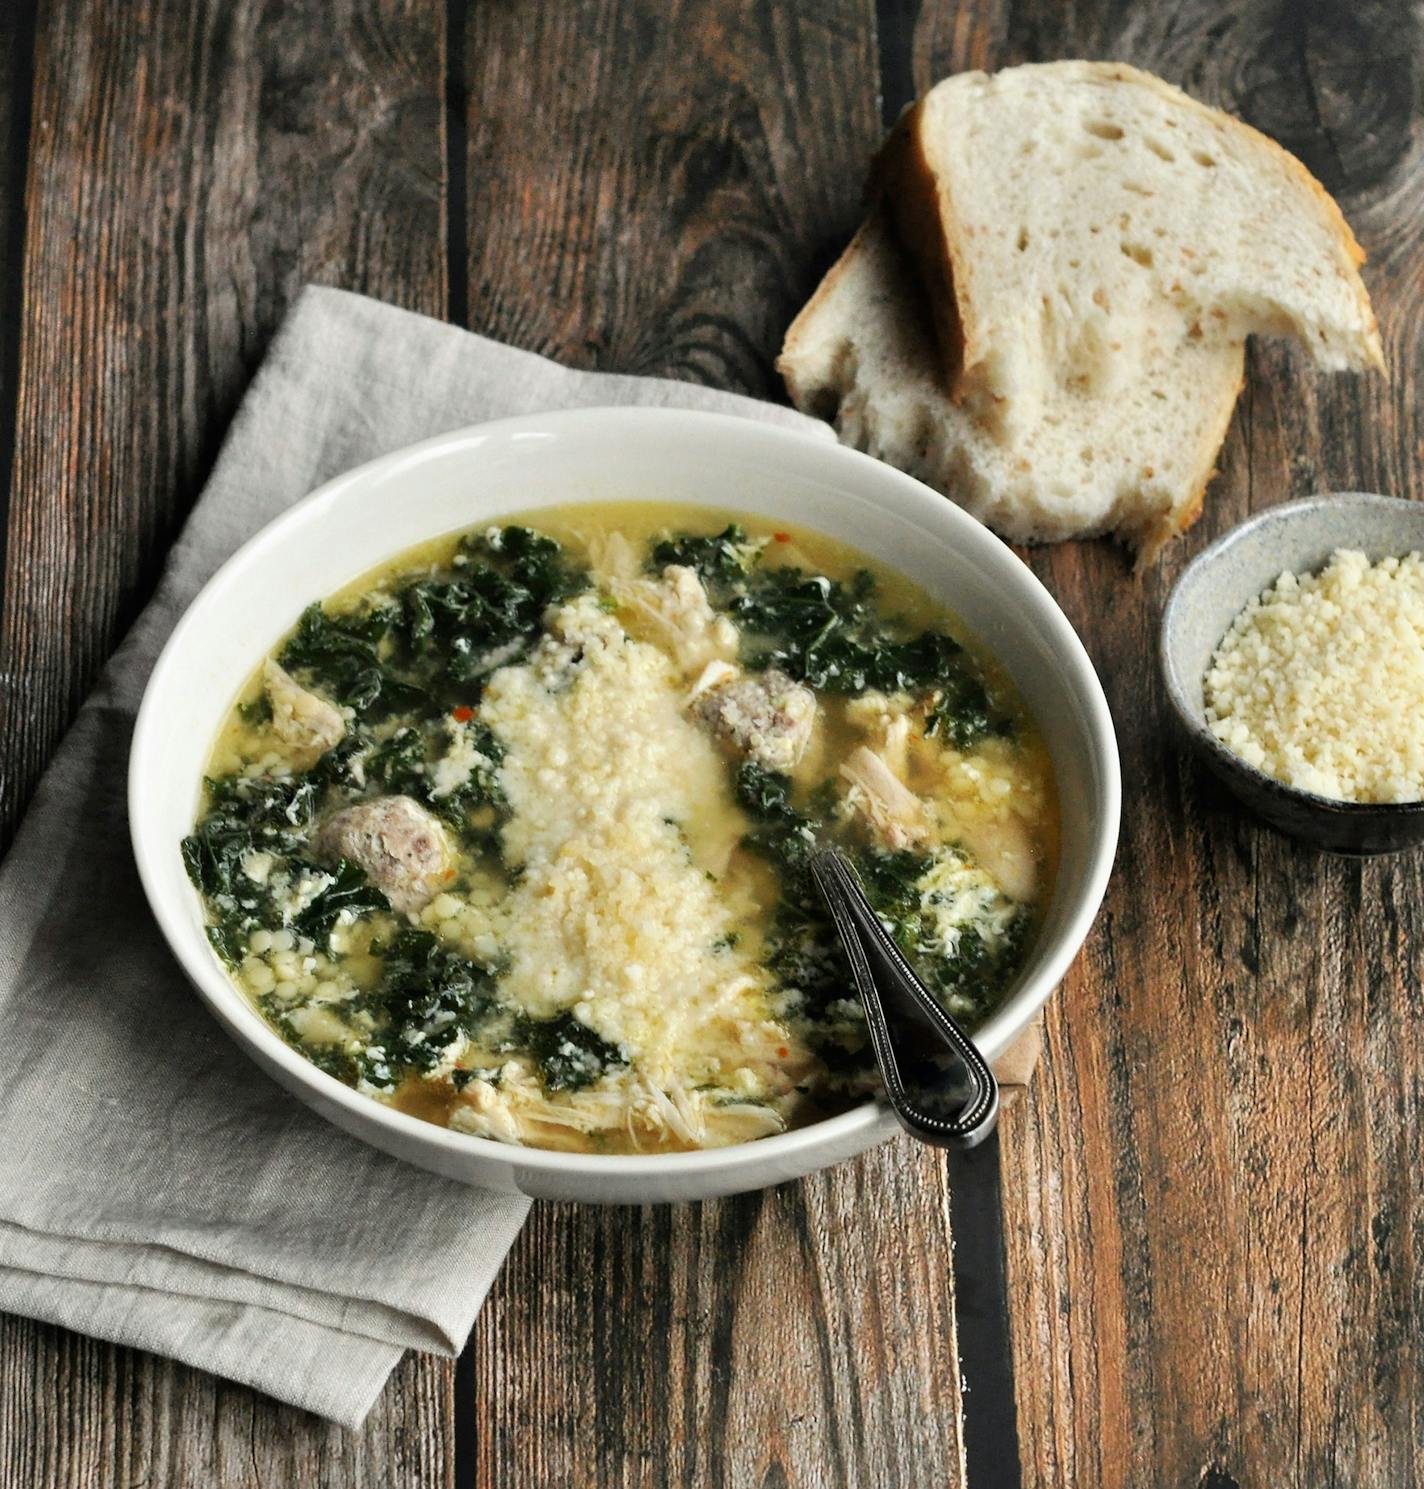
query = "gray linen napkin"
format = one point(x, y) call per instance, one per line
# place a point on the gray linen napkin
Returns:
point(156, 1189)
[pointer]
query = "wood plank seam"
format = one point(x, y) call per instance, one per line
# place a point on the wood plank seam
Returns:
point(894, 45)
point(18, 73)
point(455, 196)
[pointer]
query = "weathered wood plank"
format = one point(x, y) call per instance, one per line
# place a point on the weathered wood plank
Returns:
point(1212, 1224)
point(17, 45)
point(654, 189)
point(191, 166)
point(76, 1412)
point(1211, 1194)
point(802, 1336)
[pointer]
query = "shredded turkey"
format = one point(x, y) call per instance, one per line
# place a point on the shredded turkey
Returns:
point(891, 810)
point(675, 612)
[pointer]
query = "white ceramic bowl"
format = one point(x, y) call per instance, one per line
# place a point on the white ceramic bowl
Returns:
point(481, 474)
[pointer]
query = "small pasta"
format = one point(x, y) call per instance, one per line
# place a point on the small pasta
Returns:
point(512, 834)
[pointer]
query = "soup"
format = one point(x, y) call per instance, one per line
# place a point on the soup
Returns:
point(513, 833)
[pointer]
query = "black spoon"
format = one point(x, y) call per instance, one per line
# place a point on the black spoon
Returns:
point(938, 1084)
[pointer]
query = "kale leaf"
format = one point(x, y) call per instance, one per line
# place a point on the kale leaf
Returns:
point(349, 890)
point(804, 953)
point(404, 764)
point(257, 710)
point(719, 561)
point(440, 637)
point(344, 657)
point(532, 560)
point(962, 713)
point(284, 805)
point(832, 636)
point(467, 624)
point(890, 881)
point(972, 969)
point(244, 817)
point(347, 1066)
point(271, 816)
point(483, 618)
point(427, 998)
point(780, 832)
point(569, 1054)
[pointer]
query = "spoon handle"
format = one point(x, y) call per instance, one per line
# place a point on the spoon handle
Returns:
point(938, 1084)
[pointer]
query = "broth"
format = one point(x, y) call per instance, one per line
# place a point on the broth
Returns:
point(511, 832)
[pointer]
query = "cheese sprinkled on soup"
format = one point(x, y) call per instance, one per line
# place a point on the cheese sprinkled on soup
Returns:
point(514, 833)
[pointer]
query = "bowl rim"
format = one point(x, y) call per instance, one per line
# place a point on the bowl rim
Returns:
point(1196, 726)
point(871, 1120)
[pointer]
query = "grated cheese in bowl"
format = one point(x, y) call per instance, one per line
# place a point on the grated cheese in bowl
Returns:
point(1319, 683)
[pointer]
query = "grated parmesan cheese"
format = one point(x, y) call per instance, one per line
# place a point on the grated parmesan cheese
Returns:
point(1320, 682)
point(619, 802)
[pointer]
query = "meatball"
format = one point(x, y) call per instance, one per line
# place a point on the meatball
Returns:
point(399, 844)
point(768, 718)
point(305, 722)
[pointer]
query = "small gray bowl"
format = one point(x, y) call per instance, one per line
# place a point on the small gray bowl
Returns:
point(1217, 585)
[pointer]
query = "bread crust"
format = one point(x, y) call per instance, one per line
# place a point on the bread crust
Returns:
point(909, 273)
point(913, 176)
point(1157, 535)
point(794, 345)
point(1344, 234)
point(906, 184)
point(827, 375)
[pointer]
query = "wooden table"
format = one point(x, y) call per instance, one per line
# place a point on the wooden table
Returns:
point(1210, 1197)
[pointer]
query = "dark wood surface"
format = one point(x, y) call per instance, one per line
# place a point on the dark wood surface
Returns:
point(1210, 1193)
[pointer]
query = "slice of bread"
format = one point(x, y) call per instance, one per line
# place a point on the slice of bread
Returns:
point(1070, 218)
point(863, 355)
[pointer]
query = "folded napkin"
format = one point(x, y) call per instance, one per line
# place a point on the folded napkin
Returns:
point(156, 1189)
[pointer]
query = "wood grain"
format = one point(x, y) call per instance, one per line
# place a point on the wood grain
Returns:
point(665, 216)
point(79, 1414)
point(1211, 1197)
point(800, 1336)
point(190, 166)
point(1211, 1194)
point(17, 45)
point(655, 187)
